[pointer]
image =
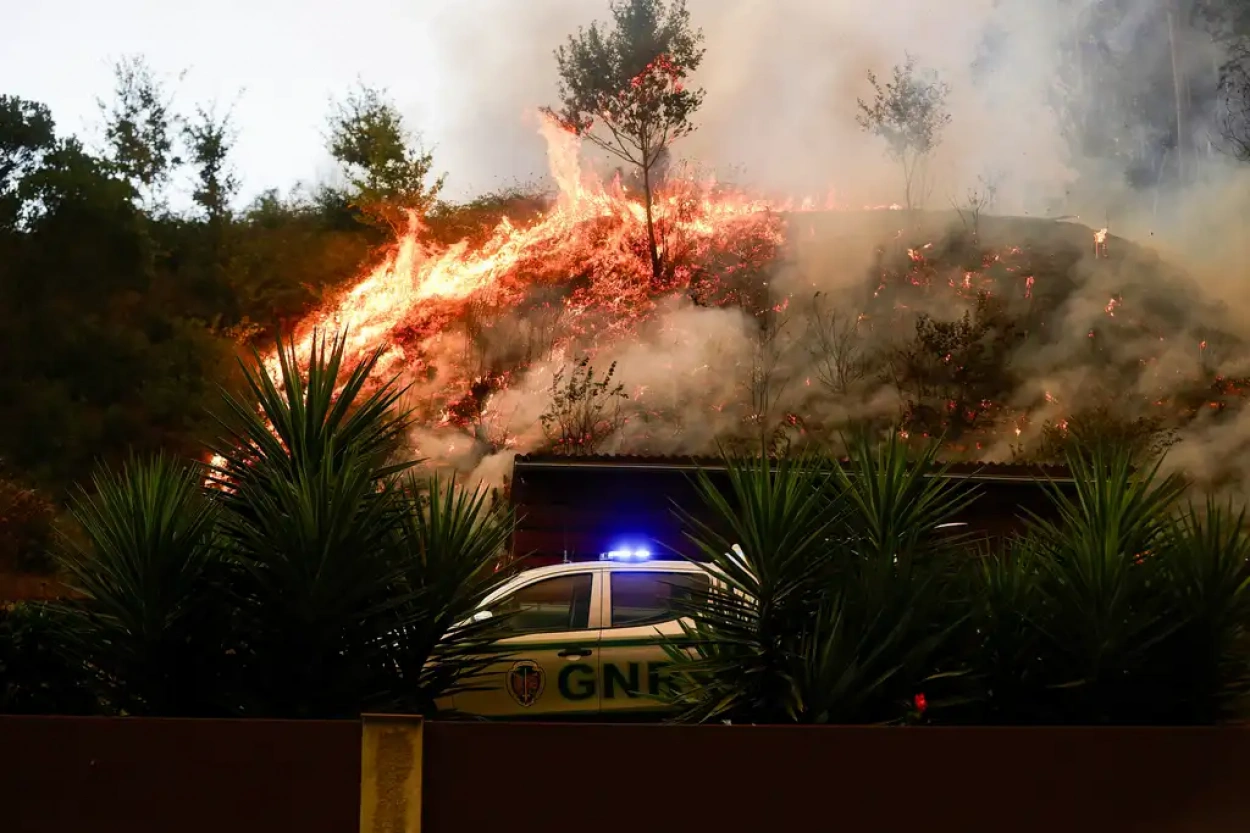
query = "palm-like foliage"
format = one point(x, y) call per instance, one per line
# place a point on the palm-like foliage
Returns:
point(150, 622)
point(769, 543)
point(450, 544)
point(310, 508)
point(1104, 608)
point(899, 567)
point(1203, 670)
point(898, 502)
point(831, 608)
point(1006, 670)
point(307, 580)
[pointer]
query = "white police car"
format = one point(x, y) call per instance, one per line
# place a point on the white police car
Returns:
point(588, 638)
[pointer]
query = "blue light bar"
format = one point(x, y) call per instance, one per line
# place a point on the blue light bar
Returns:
point(627, 554)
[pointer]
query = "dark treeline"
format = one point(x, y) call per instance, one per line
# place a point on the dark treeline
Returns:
point(120, 317)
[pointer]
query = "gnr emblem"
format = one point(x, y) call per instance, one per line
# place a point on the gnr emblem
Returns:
point(525, 682)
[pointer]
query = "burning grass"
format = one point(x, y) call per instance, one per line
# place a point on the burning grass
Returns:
point(991, 333)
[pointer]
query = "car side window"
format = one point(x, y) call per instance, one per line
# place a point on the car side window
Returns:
point(561, 603)
point(642, 598)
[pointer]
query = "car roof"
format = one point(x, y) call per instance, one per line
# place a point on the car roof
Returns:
point(576, 567)
point(673, 566)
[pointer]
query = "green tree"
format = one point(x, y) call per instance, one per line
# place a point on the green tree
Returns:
point(387, 170)
point(203, 246)
point(950, 370)
point(909, 113)
point(100, 355)
point(624, 89)
point(140, 129)
point(209, 139)
point(27, 133)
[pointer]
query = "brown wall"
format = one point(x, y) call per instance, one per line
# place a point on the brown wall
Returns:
point(130, 775)
point(66, 775)
point(635, 779)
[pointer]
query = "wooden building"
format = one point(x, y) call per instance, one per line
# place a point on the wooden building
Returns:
point(577, 508)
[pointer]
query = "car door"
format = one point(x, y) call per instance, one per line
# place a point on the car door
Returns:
point(639, 619)
point(550, 665)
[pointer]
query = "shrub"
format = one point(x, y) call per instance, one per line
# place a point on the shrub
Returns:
point(833, 607)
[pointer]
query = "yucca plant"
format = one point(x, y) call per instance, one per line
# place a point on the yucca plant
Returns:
point(311, 505)
point(767, 538)
point(833, 606)
point(150, 624)
point(450, 545)
point(1201, 674)
point(896, 575)
point(1105, 609)
point(1004, 645)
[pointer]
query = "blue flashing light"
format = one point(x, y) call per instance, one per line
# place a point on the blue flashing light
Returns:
point(627, 554)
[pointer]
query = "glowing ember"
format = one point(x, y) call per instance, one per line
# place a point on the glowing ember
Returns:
point(1100, 243)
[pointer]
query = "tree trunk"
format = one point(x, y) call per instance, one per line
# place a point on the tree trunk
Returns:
point(1176, 86)
point(654, 248)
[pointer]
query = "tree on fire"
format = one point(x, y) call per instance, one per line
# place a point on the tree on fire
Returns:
point(909, 113)
point(624, 89)
point(386, 169)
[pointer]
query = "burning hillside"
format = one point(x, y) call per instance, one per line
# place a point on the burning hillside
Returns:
point(771, 322)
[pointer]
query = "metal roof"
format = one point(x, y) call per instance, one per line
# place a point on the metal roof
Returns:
point(994, 472)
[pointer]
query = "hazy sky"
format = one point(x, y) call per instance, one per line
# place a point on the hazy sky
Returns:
point(781, 76)
point(279, 61)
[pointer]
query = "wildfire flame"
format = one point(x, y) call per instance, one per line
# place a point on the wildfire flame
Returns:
point(591, 225)
point(585, 258)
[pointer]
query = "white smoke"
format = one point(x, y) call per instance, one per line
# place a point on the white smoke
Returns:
point(782, 80)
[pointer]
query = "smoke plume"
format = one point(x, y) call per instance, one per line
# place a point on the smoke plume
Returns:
point(782, 79)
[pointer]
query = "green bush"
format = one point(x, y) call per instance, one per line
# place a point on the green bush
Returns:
point(1130, 608)
point(835, 606)
point(308, 577)
point(35, 677)
point(842, 603)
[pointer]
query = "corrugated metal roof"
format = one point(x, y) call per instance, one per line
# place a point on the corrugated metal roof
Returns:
point(1000, 472)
